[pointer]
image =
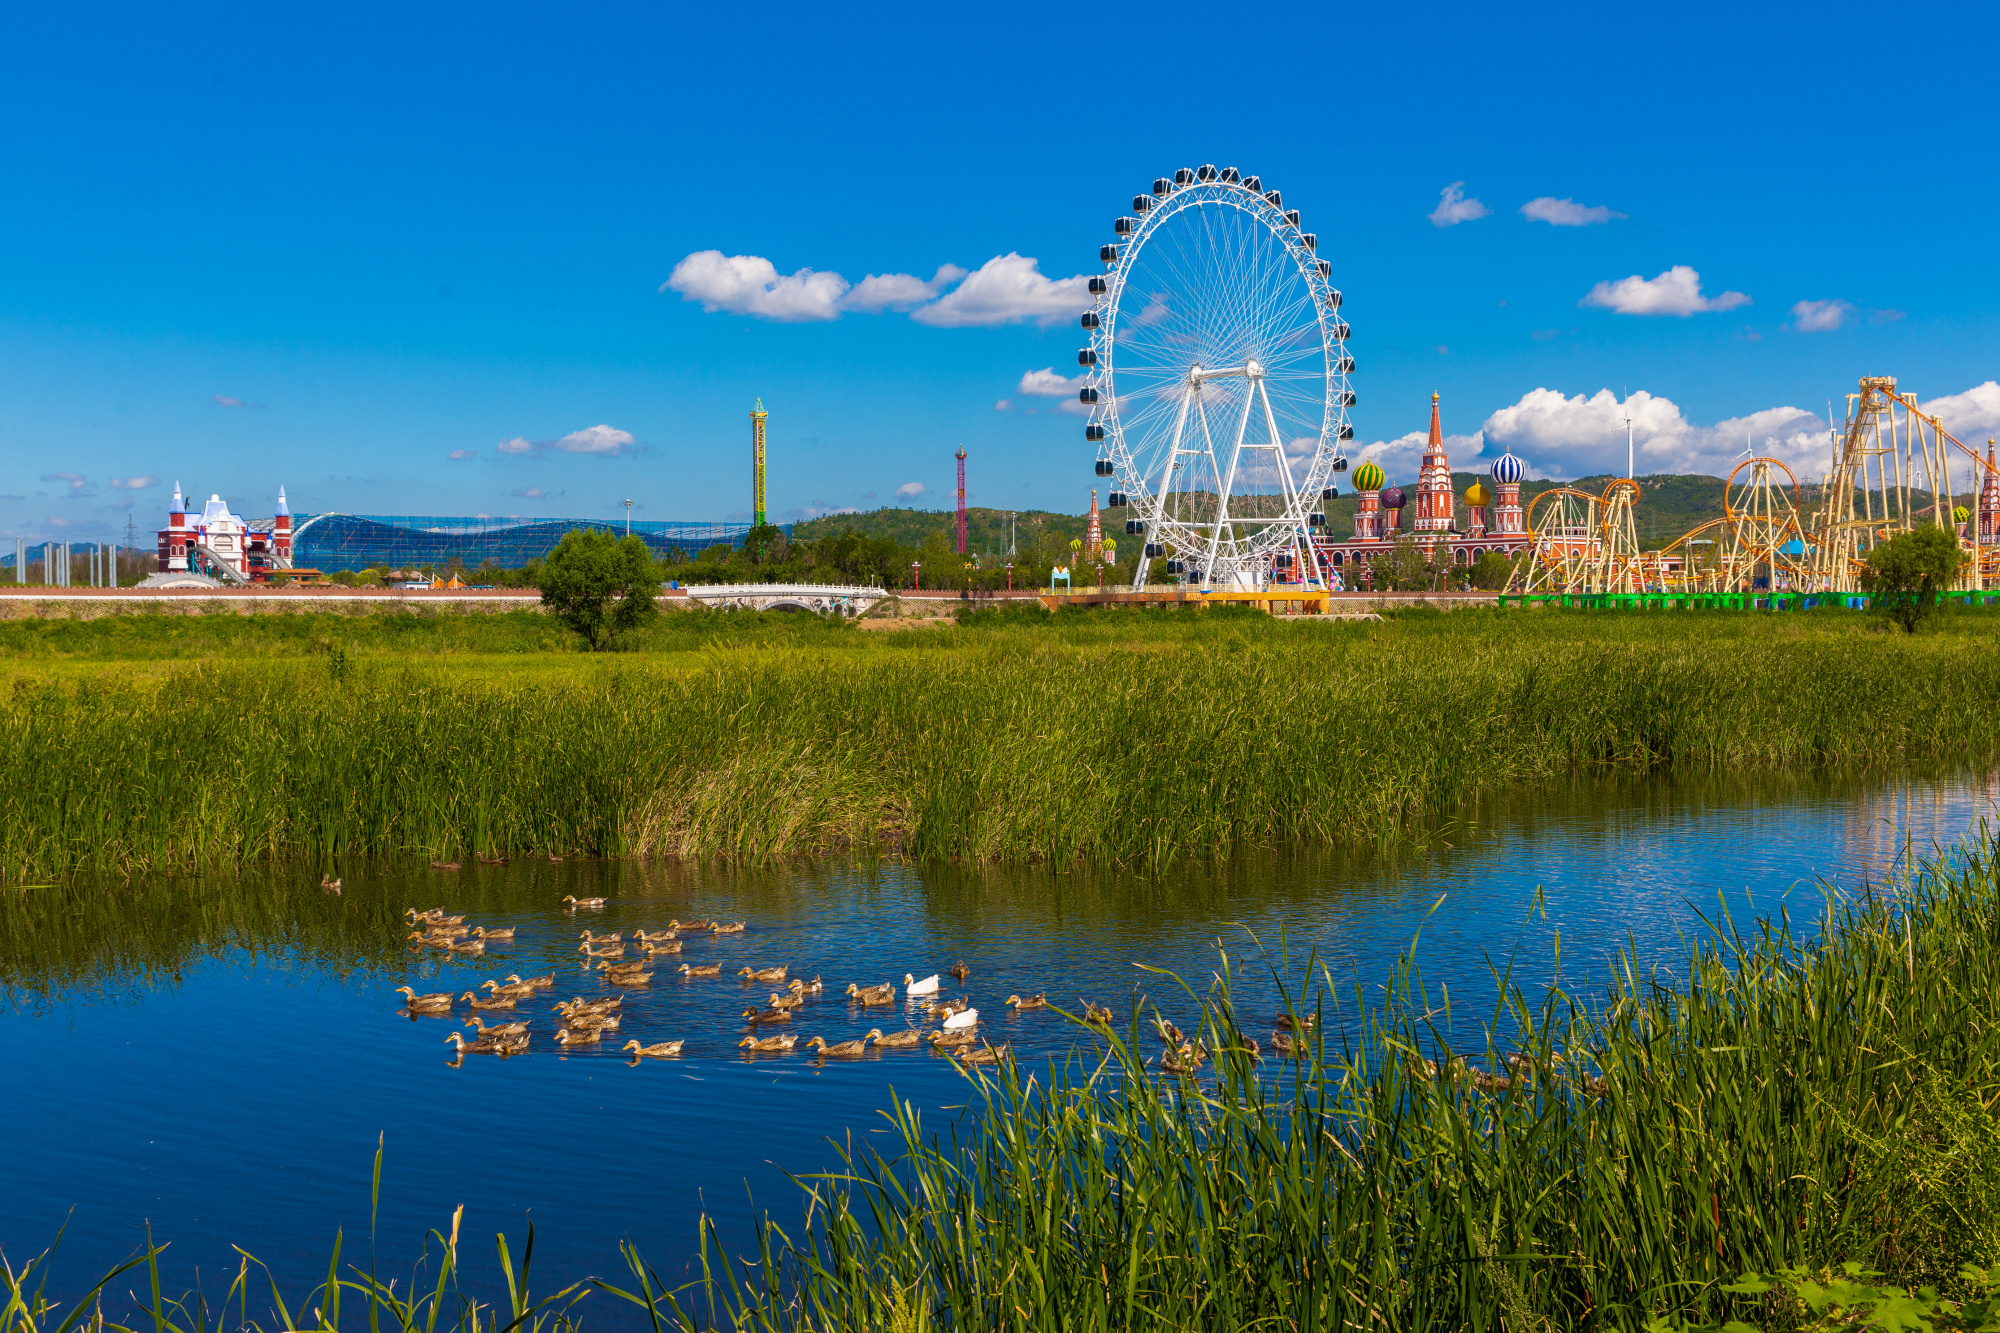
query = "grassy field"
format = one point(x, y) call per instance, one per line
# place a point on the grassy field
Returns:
point(1122, 737)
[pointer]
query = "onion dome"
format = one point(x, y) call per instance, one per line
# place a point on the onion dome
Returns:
point(1393, 498)
point(1507, 469)
point(1961, 515)
point(1368, 477)
point(1477, 495)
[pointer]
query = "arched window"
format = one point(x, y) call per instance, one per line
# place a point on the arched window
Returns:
point(1476, 553)
point(1336, 558)
point(1462, 556)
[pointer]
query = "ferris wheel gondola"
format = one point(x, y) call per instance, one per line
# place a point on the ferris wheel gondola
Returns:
point(1217, 377)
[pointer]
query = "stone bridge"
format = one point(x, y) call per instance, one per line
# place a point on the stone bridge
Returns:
point(827, 599)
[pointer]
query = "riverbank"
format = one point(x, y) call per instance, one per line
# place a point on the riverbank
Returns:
point(1110, 737)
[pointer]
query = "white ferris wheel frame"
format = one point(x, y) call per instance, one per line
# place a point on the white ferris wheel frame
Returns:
point(1222, 554)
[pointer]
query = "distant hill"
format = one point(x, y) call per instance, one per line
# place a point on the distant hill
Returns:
point(986, 530)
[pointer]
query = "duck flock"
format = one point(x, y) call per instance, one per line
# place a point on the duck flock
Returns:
point(770, 1025)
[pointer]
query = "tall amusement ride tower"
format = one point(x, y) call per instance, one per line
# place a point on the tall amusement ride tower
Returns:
point(757, 418)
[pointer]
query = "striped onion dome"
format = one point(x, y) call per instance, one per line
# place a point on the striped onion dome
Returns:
point(1477, 494)
point(1961, 514)
point(1507, 469)
point(1368, 477)
point(1393, 498)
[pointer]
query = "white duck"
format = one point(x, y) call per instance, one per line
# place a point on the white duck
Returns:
point(964, 1018)
point(928, 986)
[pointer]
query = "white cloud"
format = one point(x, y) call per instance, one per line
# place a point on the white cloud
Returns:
point(909, 490)
point(1045, 383)
point(1970, 414)
point(606, 441)
point(1585, 435)
point(1007, 289)
point(1820, 316)
point(76, 481)
point(1400, 457)
point(1454, 208)
point(133, 483)
point(1004, 405)
point(520, 444)
point(899, 291)
point(1675, 292)
point(530, 493)
point(224, 400)
point(825, 511)
point(460, 455)
point(1566, 212)
point(58, 522)
point(751, 285)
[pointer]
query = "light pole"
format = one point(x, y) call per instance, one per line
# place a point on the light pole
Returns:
point(628, 518)
point(916, 576)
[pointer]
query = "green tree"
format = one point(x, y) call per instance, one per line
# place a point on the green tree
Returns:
point(1490, 571)
point(1906, 573)
point(599, 584)
point(766, 545)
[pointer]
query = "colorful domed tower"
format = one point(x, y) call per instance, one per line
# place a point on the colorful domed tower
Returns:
point(1434, 497)
point(1477, 497)
point(1507, 516)
point(1368, 479)
point(1393, 501)
point(281, 533)
point(174, 541)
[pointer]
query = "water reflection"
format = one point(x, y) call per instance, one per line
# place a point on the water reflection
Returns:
point(218, 1055)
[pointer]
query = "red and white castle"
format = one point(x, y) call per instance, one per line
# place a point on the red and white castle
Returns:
point(222, 546)
point(1378, 522)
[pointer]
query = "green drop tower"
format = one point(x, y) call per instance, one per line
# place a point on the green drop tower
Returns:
point(757, 418)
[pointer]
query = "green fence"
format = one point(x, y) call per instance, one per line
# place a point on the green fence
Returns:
point(1714, 601)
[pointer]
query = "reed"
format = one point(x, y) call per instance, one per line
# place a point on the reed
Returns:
point(1006, 744)
point(1788, 1104)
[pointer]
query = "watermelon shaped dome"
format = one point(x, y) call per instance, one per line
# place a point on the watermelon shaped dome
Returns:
point(1961, 514)
point(1368, 477)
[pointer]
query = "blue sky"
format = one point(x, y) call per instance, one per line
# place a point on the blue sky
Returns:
point(246, 247)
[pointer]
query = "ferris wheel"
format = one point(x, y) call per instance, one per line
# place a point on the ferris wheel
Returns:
point(1217, 380)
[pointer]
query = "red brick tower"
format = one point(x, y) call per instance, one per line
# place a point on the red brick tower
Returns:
point(1093, 534)
point(1434, 497)
point(1989, 502)
point(281, 533)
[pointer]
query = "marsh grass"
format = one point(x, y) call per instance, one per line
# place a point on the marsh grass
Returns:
point(1128, 741)
point(1789, 1103)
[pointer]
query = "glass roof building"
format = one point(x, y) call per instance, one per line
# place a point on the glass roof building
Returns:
point(383, 541)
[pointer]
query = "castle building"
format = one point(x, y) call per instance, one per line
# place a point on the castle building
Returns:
point(1989, 502)
point(1494, 522)
point(222, 545)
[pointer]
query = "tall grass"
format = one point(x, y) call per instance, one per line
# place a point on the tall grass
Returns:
point(1787, 1104)
point(1007, 745)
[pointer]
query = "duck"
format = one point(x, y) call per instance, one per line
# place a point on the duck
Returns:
point(928, 986)
point(647, 937)
point(946, 1008)
point(497, 1002)
point(689, 925)
point(884, 994)
point(539, 983)
point(579, 1037)
point(603, 1004)
point(1095, 1013)
point(503, 933)
point(1486, 1082)
point(981, 1055)
point(1186, 1060)
point(1017, 1003)
point(733, 928)
point(813, 987)
point(783, 1042)
point(513, 1029)
point(628, 978)
point(554, 857)
point(592, 951)
point(434, 916)
point(765, 974)
point(519, 990)
point(665, 1050)
point(444, 865)
point(657, 945)
point(712, 970)
point(422, 914)
point(961, 1038)
point(788, 1001)
point(470, 947)
point(1294, 1023)
point(329, 884)
point(846, 1050)
point(423, 941)
point(484, 1046)
point(758, 1016)
point(423, 1003)
point(960, 970)
point(1284, 1043)
point(592, 1022)
point(576, 902)
point(907, 1037)
point(493, 860)
point(964, 1018)
point(1169, 1034)
point(613, 938)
